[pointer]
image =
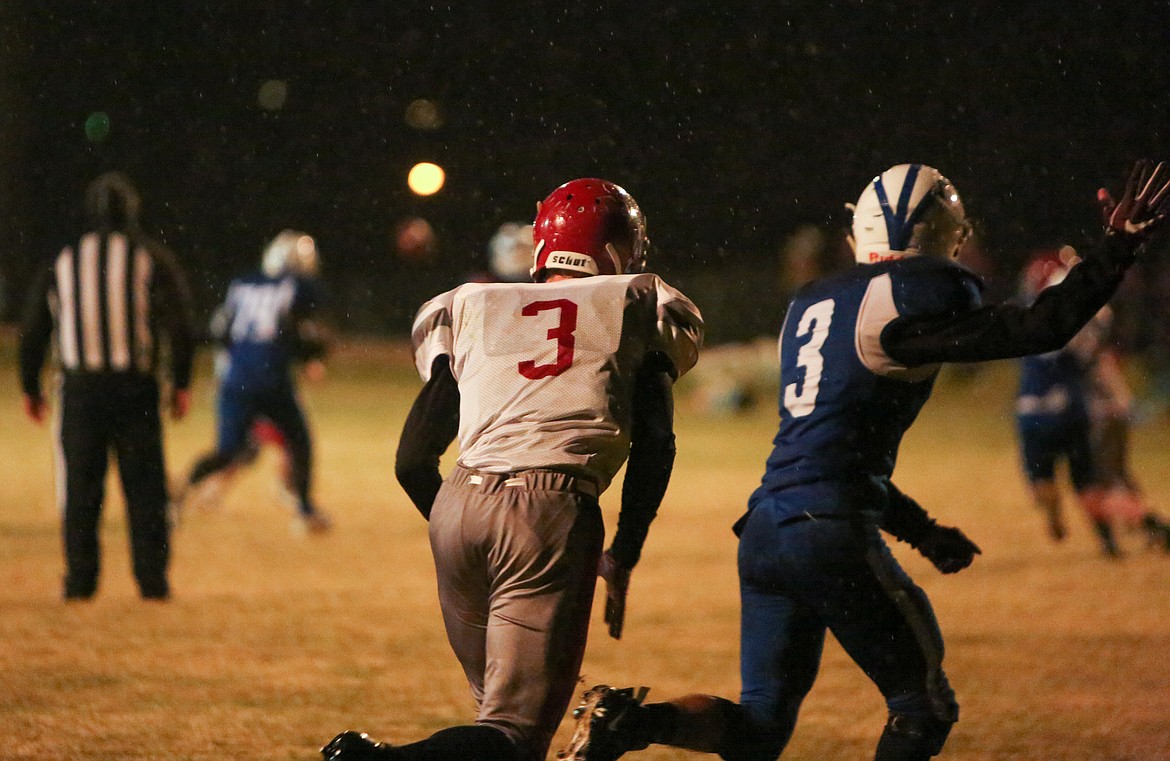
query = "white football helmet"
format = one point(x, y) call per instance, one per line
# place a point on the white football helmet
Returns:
point(291, 251)
point(510, 252)
point(908, 210)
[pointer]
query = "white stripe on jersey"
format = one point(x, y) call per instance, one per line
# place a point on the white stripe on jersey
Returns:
point(877, 310)
point(431, 334)
point(680, 327)
point(117, 319)
point(91, 306)
point(66, 310)
point(143, 266)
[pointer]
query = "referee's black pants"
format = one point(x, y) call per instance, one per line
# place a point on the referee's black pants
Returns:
point(118, 411)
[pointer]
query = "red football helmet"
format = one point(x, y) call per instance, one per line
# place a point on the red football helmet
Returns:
point(589, 226)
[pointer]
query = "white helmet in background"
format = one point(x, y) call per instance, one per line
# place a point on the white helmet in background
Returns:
point(291, 251)
point(510, 252)
point(908, 210)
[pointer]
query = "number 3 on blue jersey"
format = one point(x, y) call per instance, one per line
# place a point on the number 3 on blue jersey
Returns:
point(815, 320)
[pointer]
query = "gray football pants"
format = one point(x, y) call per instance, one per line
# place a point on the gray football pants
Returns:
point(516, 558)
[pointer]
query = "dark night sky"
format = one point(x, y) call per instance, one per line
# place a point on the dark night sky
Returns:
point(731, 126)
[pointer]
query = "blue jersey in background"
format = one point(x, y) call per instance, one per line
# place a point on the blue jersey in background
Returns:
point(260, 326)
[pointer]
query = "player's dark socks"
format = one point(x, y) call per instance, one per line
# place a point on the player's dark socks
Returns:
point(477, 742)
point(703, 723)
point(1108, 541)
point(1056, 527)
point(209, 466)
point(1157, 529)
point(657, 723)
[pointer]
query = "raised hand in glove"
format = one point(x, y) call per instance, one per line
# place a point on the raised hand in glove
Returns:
point(947, 548)
point(1144, 204)
point(617, 584)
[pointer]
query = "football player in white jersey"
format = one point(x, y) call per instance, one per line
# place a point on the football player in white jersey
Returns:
point(549, 386)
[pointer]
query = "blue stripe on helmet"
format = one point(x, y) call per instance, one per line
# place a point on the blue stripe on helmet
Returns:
point(898, 227)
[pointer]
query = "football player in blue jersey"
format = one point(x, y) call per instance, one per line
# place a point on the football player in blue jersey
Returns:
point(859, 353)
point(1052, 415)
point(1073, 406)
point(266, 324)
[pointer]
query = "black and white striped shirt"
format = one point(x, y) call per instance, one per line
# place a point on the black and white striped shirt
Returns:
point(105, 300)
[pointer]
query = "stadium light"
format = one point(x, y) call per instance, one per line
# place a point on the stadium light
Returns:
point(97, 126)
point(272, 94)
point(425, 178)
point(423, 114)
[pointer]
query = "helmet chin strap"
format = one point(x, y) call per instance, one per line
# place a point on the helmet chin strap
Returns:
point(536, 253)
point(613, 255)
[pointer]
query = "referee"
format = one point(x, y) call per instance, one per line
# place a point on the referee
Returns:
point(106, 301)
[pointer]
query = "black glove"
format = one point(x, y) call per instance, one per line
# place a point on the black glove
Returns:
point(947, 548)
point(617, 585)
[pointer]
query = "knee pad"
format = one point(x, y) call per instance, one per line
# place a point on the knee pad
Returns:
point(909, 737)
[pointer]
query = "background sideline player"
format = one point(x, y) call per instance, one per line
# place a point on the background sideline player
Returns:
point(266, 324)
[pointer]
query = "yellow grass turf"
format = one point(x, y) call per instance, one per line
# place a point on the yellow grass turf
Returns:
point(274, 642)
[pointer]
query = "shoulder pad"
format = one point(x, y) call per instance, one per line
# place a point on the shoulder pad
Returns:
point(678, 324)
point(923, 286)
point(431, 335)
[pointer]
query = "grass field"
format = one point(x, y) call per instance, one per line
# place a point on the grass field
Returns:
point(274, 642)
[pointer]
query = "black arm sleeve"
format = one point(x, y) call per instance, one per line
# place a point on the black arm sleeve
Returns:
point(651, 458)
point(431, 426)
point(1010, 330)
point(36, 332)
point(176, 313)
point(312, 336)
point(904, 518)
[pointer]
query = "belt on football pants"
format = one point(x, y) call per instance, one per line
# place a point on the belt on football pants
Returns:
point(533, 479)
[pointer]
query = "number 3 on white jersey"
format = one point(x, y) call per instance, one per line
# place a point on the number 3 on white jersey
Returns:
point(816, 319)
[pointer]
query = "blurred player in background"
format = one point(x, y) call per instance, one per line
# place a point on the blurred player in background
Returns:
point(1110, 416)
point(109, 301)
point(1052, 413)
point(265, 325)
point(1073, 406)
point(549, 386)
point(510, 253)
point(859, 353)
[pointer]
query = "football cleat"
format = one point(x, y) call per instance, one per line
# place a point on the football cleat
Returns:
point(606, 728)
point(205, 495)
point(357, 746)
